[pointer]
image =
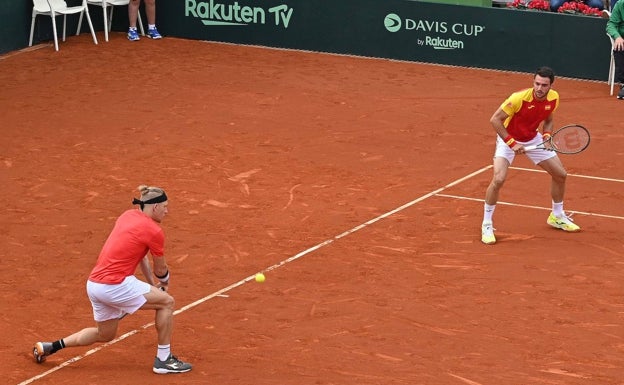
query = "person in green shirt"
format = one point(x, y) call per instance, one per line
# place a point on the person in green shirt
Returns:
point(615, 29)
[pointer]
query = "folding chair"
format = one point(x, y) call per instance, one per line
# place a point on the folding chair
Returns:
point(108, 21)
point(611, 78)
point(54, 8)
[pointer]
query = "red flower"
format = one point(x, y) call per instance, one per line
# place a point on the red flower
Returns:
point(578, 7)
point(517, 4)
point(541, 5)
point(538, 5)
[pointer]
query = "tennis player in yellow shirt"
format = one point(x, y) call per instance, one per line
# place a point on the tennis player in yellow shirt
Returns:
point(516, 123)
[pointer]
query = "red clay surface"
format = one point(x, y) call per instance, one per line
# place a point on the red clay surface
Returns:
point(267, 153)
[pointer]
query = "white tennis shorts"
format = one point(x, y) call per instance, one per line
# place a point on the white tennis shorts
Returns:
point(113, 301)
point(537, 155)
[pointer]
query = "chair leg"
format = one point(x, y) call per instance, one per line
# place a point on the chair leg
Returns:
point(91, 26)
point(54, 31)
point(64, 26)
point(32, 29)
point(140, 23)
point(110, 18)
point(79, 23)
point(107, 20)
point(611, 80)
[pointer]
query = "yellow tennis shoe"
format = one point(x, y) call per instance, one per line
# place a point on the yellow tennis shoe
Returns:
point(563, 222)
point(487, 233)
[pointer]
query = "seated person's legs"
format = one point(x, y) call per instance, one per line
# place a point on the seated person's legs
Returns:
point(555, 4)
point(595, 4)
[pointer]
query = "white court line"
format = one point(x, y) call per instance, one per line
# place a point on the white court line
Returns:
point(221, 292)
point(545, 208)
point(529, 206)
point(575, 175)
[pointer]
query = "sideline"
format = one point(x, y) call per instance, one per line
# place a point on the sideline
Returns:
point(574, 175)
point(530, 206)
point(252, 277)
point(545, 208)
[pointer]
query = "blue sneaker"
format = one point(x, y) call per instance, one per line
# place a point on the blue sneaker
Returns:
point(133, 35)
point(152, 33)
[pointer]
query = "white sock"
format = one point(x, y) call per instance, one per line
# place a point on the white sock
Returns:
point(151, 26)
point(557, 209)
point(488, 213)
point(164, 351)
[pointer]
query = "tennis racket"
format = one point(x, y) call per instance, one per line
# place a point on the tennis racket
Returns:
point(570, 139)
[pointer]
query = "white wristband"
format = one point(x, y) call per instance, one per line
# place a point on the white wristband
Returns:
point(164, 279)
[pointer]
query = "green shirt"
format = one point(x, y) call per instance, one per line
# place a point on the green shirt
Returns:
point(615, 25)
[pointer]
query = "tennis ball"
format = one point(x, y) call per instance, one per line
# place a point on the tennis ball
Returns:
point(260, 277)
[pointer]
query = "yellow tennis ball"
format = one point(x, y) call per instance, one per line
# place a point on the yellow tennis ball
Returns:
point(260, 277)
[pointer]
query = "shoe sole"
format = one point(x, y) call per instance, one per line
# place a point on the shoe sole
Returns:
point(488, 242)
point(566, 230)
point(561, 227)
point(167, 371)
point(154, 38)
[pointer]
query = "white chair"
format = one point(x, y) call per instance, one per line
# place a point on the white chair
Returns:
point(108, 20)
point(54, 8)
point(611, 78)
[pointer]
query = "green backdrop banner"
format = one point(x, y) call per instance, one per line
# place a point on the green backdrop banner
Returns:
point(486, 37)
point(473, 36)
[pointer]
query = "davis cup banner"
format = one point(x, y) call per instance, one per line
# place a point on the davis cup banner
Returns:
point(483, 37)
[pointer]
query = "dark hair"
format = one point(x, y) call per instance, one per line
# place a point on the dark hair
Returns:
point(546, 72)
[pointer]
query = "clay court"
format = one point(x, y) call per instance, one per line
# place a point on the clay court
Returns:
point(356, 184)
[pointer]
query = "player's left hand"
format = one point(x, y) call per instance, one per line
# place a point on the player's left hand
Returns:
point(162, 287)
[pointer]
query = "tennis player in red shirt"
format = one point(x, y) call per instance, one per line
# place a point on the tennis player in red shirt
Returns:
point(114, 291)
point(516, 123)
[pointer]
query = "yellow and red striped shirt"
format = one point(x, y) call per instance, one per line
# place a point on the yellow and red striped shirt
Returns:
point(526, 113)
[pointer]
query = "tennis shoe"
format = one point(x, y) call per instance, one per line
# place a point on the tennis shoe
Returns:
point(152, 33)
point(133, 35)
point(41, 351)
point(171, 365)
point(487, 233)
point(620, 94)
point(562, 222)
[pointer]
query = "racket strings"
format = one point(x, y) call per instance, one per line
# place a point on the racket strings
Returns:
point(571, 139)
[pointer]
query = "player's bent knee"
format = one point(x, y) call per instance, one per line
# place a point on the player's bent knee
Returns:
point(560, 177)
point(106, 334)
point(166, 300)
point(170, 302)
point(497, 183)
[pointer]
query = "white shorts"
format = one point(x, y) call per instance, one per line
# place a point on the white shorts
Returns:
point(113, 301)
point(538, 155)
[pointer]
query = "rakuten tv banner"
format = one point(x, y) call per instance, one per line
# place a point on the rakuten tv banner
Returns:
point(484, 37)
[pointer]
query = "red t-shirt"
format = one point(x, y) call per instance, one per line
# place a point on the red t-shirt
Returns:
point(526, 113)
point(132, 237)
